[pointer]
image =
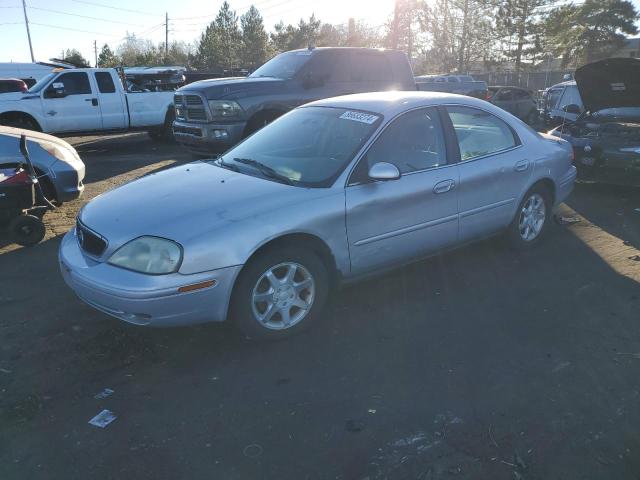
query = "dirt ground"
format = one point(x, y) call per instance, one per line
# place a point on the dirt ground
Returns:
point(481, 363)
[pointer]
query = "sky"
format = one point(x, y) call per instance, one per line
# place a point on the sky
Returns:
point(64, 24)
point(77, 23)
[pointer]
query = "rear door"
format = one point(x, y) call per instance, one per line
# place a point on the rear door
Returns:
point(70, 104)
point(395, 221)
point(111, 101)
point(370, 71)
point(494, 170)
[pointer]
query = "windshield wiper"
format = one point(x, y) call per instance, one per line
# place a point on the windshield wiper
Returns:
point(265, 170)
point(221, 163)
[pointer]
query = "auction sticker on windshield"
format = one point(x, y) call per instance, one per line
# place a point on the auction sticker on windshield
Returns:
point(359, 117)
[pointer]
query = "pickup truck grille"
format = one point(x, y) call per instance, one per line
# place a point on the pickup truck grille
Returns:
point(89, 241)
point(190, 107)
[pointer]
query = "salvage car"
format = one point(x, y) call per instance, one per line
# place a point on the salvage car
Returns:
point(58, 166)
point(515, 100)
point(606, 137)
point(331, 192)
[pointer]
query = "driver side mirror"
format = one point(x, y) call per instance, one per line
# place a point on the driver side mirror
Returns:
point(572, 108)
point(384, 171)
point(55, 90)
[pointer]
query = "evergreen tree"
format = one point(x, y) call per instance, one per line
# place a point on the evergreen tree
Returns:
point(220, 43)
point(74, 57)
point(255, 41)
point(107, 58)
point(589, 31)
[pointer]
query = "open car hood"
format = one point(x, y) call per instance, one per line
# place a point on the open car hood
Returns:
point(609, 83)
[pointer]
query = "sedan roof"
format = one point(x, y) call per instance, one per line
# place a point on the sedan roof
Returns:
point(392, 103)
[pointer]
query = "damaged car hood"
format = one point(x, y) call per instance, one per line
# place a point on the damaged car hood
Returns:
point(609, 83)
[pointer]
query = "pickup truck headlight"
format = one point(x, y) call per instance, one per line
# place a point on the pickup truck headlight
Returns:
point(152, 255)
point(225, 109)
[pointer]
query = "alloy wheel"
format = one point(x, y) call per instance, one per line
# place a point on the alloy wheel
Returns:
point(283, 296)
point(532, 217)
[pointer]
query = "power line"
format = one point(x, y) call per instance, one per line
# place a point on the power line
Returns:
point(73, 29)
point(255, 4)
point(116, 8)
point(84, 16)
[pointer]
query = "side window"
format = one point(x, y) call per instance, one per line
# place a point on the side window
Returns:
point(329, 66)
point(75, 83)
point(505, 94)
point(480, 133)
point(105, 82)
point(452, 80)
point(370, 67)
point(571, 97)
point(412, 142)
point(552, 98)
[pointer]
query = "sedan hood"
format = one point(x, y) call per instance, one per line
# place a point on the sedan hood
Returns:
point(610, 83)
point(217, 88)
point(185, 202)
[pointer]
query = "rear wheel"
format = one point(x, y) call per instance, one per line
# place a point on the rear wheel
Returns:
point(532, 218)
point(280, 293)
point(164, 133)
point(27, 230)
point(20, 121)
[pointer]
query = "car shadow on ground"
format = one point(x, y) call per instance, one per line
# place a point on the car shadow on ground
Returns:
point(613, 208)
point(522, 345)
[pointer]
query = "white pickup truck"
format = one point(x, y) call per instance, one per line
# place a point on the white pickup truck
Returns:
point(87, 101)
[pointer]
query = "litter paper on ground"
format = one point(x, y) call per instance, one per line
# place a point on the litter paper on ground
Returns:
point(103, 419)
point(103, 394)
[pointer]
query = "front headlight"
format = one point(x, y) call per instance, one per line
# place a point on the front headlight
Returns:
point(61, 153)
point(152, 255)
point(224, 109)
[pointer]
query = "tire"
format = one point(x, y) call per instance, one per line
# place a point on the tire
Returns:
point(260, 121)
point(528, 229)
point(21, 121)
point(164, 133)
point(255, 295)
point(27, 230)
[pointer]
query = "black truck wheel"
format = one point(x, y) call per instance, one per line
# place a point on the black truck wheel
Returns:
point(27, 230)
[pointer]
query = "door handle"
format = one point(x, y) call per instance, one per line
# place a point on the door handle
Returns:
point(521, 166)
point(94, 101)
point(444, 186)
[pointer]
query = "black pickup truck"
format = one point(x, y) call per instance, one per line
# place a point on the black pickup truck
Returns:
point(212, 115)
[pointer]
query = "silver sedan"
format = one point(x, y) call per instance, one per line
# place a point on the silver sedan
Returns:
point(332, 191)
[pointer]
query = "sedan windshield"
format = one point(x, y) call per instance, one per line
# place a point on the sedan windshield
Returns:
point(284, 66)
point(309, 146)
point(40, 84)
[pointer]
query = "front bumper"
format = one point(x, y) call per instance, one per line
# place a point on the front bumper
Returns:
point(208, 137)
point(67, 180)
point(150, 300)
point(565, 185)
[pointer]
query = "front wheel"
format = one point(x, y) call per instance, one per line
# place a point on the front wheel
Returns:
point(280, 293)
point(531, 220)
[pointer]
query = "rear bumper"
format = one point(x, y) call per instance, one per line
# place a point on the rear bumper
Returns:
point(565, 185)
point(208, 137)
point(145, 300)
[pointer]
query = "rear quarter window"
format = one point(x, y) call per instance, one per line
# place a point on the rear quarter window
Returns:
point(105, 82)
point(370, 67)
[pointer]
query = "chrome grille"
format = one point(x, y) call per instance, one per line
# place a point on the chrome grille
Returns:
point(89, 241)
point(190, 107)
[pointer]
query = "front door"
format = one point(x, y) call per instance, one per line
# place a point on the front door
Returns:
point(70, 104)
point(394, 221)
point(494, 171)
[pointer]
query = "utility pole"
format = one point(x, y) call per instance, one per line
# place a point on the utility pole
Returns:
point(95, 52)
point(26, 22)
point(166, 36)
